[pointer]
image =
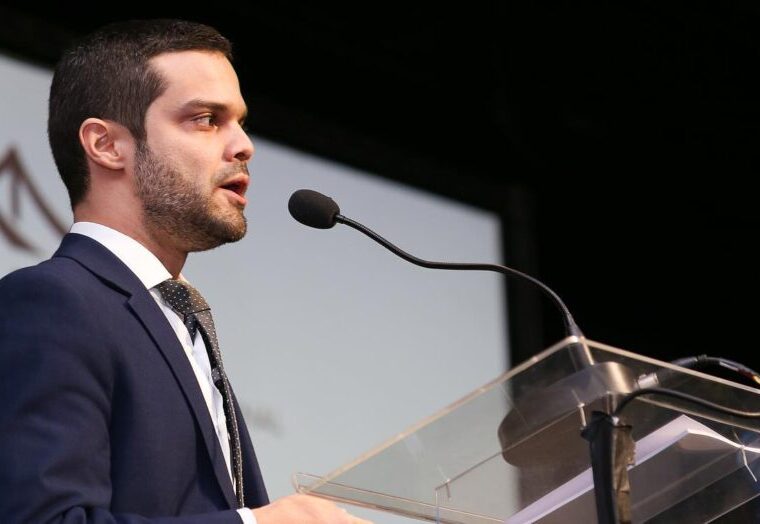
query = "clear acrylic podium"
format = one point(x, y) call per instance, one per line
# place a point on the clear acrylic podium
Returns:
point(512, 452)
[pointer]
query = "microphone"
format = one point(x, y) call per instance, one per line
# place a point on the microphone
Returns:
point(313, 209)
point(523, 433)
point(316, 210)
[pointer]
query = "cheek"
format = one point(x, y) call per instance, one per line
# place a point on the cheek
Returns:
point(195, 159)
point(184, 161)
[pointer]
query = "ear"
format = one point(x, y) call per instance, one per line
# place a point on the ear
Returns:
point(106, 143)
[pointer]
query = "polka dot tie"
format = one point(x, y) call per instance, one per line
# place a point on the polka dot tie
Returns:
point(196, 314)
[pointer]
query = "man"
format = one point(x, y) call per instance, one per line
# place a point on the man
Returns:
point(115, 405)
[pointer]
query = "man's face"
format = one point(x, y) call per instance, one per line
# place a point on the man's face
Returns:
point(191, 172)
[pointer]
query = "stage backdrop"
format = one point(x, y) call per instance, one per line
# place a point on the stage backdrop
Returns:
point(332, 343)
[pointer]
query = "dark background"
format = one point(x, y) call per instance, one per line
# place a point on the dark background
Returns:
point(617, 142)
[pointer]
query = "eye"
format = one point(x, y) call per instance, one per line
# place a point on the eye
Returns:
point(207, 120)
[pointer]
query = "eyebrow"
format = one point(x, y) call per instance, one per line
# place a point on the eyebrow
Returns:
point(199, 103)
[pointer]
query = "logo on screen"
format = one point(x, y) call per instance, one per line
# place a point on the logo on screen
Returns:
point(15, 177)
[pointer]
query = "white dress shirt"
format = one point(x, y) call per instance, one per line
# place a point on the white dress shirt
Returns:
point(152, 272)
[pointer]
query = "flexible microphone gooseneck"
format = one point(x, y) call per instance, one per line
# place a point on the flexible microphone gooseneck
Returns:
point(316, 210)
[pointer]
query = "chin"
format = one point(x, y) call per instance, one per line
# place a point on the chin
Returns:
point(215, 232)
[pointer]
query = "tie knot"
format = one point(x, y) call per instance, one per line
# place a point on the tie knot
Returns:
point(182, 297)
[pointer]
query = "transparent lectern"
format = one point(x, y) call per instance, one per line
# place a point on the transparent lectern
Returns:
point(512, 451)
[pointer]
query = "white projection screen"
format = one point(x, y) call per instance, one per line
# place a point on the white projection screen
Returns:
point(332, 343)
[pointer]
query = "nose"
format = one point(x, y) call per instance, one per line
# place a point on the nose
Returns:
point(241, 147)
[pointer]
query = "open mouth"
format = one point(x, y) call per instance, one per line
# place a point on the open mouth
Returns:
point(235, 188)
point(238, 184)
point(238, 187)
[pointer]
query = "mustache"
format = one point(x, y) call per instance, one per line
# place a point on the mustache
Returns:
point(230, 171)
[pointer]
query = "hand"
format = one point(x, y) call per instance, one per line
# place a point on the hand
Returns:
point(304, 509)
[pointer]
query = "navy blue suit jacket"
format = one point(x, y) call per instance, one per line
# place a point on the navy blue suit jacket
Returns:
point(101, 416)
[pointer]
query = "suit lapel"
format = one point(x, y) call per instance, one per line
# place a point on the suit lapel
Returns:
point(107, 266)
point(145, 308)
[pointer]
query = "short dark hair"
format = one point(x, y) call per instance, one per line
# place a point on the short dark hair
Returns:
point(106, 75)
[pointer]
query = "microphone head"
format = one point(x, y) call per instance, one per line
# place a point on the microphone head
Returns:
point(313, 209)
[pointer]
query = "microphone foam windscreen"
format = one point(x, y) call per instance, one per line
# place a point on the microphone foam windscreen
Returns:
point(313, 209)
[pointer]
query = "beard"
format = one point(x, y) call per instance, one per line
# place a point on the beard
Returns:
point(183, 210)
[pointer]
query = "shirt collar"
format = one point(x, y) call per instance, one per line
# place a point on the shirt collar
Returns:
point(135, 256)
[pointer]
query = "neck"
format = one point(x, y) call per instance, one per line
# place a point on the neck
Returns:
point(160, 244)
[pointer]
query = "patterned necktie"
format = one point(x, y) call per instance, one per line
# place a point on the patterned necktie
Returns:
point(196, 314)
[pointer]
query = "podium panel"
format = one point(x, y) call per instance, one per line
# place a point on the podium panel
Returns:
point(511, 451)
